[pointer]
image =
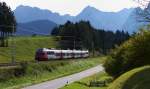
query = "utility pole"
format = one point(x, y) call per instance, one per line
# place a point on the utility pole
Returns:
point(74, 43)
point(13, 53)
point(93, 48)
point(103, 43)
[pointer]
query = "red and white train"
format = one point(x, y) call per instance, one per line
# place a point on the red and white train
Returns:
point(45, 54)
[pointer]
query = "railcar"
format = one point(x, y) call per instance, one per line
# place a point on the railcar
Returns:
point(46, 54)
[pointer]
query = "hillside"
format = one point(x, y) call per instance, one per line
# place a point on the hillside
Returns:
point(39, 27)
point(25, 48)
point(135, 79)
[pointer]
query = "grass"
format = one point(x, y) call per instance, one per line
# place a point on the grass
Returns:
point(84, 83)
point(25, 48)
point(135, 79)
point(35, 72)
point(44, 71)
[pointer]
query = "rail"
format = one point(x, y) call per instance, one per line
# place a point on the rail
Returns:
point(9, 64)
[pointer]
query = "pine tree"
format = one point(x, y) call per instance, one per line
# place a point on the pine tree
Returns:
point(7, 24)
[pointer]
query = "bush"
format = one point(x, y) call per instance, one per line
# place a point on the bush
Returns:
point(133, 53)
point(9, 72)
point(40, 67)
point(28, 69)
point(111, 68)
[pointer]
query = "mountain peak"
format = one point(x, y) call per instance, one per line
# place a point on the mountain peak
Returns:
point(90, 8)
point(23, 7)
point(98, 19)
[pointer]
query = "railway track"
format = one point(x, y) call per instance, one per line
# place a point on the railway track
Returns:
point(18, 63)
point(9, 64)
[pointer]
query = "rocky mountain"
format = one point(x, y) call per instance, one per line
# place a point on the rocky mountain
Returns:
point(27, 14)
point(135, 21)
point(104, 20)
point(113, 21)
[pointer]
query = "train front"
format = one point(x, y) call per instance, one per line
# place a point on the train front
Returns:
point(41, 55)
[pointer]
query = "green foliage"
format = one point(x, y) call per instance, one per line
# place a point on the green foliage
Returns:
point(82, 35)
point(79, 34)
point(8, 72)
point(135, 79)
point(133, 53)
point(30, 69)
point(112, 66)
point(7, 22)
point(43, 71)
point(36, 68)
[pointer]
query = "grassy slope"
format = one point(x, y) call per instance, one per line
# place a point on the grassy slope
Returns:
point(36, 76)
point(138, 78)
point(38, 72)
point(25, 48)
point(83, 84)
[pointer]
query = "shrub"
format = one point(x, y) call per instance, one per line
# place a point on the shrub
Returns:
point(28, 69)
point(133, 53)
point(111, 68)
point(9, 72)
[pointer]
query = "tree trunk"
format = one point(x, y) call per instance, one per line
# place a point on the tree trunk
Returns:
point(3, 39)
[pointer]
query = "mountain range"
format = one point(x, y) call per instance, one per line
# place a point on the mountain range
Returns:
point(122, 20)
point(40, 27)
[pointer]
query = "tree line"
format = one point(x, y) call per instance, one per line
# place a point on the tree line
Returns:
point(135, 52)
point(7, 24)
point(82, 35)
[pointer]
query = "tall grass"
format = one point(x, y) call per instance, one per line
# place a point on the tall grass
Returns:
point(43, 71)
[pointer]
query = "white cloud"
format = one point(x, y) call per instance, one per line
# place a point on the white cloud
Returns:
point(73, 7)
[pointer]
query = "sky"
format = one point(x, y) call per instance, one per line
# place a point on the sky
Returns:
point(73, 7)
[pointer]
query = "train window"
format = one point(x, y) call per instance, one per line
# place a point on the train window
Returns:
point(72, 54)
point(58, 54)
point(50, 53)
point(63, 54)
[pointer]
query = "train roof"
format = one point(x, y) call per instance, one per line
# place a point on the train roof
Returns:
point(57, 50)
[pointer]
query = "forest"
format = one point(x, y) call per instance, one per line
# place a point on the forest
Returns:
point(82, 35)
